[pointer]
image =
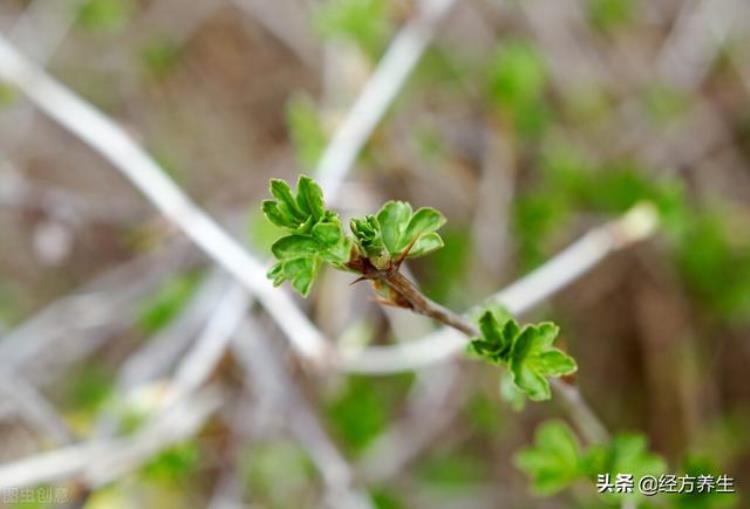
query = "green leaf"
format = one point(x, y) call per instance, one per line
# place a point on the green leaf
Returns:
point(511, 394)
point(393, 218)
point(316, 234)
point(625, 453)
point(327, 234)
point(494, 343)
point(295, 246)
point(366, 231)
point(283, 193)
point(425, 220)
point(271, 210)
point(555, 460)
point(301, 273)
point(276, 274)
point(527, 352)
point(533, 358)
point(425, 245)
point(310, 197)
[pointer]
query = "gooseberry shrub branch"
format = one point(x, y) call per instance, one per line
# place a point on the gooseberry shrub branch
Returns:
point(375, 250)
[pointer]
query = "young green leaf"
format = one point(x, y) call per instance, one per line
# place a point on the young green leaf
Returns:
point(295, 246)
point(426, 244)
point(555, 460)
point(496, 337)
point(527, 352)
point(395, 229)
point(424, 221)
point(625, 453)
point(310, 197)
point(533, 359)
point(315, 235)
point(393, 218)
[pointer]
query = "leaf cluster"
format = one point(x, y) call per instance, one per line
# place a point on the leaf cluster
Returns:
point(396, 232)
point(314, 235)
point(526, 351)
point(557, 459)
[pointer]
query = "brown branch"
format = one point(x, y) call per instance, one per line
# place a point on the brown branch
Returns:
point(408, 295)
point(424, 306)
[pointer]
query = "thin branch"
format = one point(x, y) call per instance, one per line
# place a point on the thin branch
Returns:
point(101, 461)
point(518, 298)
point(203, 358)
point(379, 92)
point(436, 400)
point(111, 141)
point(35, 409)
point(420, 304)
point(268, 374)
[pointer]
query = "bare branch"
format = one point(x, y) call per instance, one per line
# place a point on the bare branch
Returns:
point(101, 461)
point(378, 93)
point(35, 409)
point(103, 135)
point(268, 374)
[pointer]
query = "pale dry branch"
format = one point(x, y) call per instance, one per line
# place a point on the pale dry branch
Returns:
point(266, 371)
point(378, 93)
point(111, 141)
point(98, 462)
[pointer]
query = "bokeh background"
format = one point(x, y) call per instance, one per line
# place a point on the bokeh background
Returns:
point(527, 122)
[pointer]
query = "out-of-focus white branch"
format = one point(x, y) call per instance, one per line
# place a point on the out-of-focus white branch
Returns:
point(35, 409)
point(518, 298)
point(378, 93)
point(101, 461)
point(102, 134)
point(267, 373)
point(202, 359)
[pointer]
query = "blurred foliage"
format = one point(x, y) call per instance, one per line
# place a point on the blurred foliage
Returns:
point(384, 499)
point(306, 130)
point(557, 460)
point(453, 472)
point(8, 95)
point(105, 15)
point(166, 303)
point(361, 408)
point(665, 104)
point(516, 83)
point(611, 14)
point(447, 267)
point(715, 263)
point(160, 56)
point(87, 391)
point(173, 465)
point(696, 466)
point(271, 461)
point(363, 22)
point(713, 260)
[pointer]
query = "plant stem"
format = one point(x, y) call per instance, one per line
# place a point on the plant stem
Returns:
point(424, 306)
point(587, 421)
